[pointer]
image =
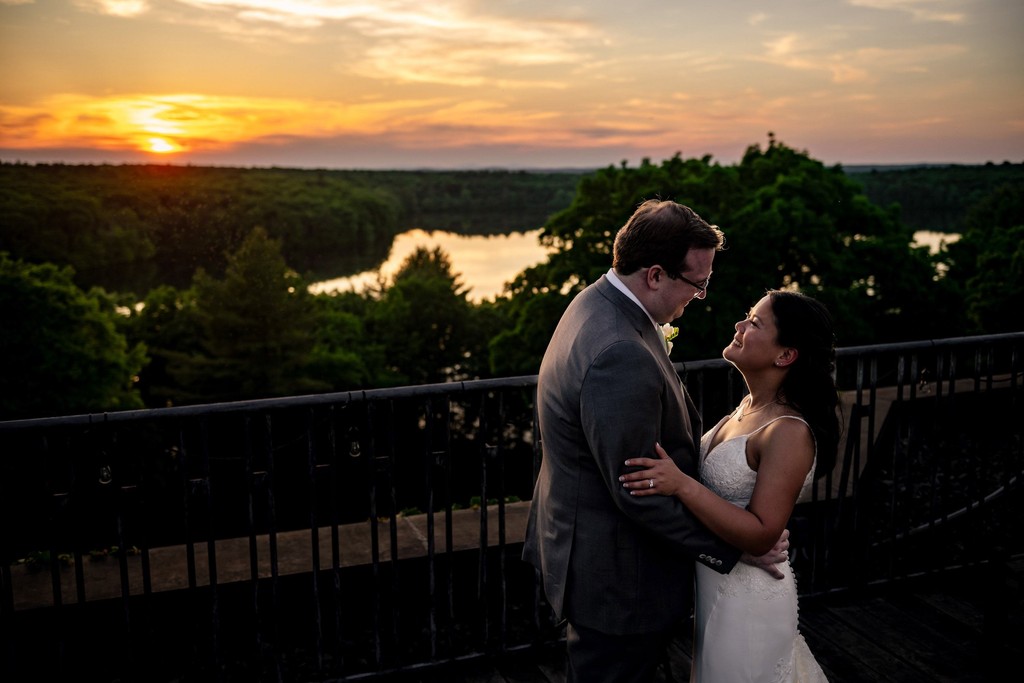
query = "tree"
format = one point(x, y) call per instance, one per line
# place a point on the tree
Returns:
point(810, 227)
point(423, 322)
point(60, 348)
point(343, 355)
point(789, 222)
point(582, 236)
point(518, 349)
point(255, 328)
point(987, 263)
point(167, 323)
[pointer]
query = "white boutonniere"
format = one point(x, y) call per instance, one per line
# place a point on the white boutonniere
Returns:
point(670, 334)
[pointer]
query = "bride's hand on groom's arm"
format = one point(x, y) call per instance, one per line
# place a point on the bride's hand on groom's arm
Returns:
point(771, 559)
point(657, 476)
point(732, 524)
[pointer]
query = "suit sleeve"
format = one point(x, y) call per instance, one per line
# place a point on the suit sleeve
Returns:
point(626, 406)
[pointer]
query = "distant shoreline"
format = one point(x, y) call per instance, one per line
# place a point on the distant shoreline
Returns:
point(581, 170)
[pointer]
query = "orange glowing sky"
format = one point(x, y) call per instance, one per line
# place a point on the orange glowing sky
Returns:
point(509, 83)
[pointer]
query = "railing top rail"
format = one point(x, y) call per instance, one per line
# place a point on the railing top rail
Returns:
point(928, 343)
point(340, 397)
point(446, 388)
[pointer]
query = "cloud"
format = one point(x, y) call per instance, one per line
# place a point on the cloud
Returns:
point(855, 65)
point(201, 123)
point(220, 77)
point(288, 14)
point(920, 10)
point(449, 42)
point(117, 8)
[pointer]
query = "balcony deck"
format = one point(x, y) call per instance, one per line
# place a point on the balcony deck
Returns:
point(178, 544)
point(963, 627)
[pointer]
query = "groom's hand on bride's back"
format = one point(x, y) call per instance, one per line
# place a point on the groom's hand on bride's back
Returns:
point(771, 559)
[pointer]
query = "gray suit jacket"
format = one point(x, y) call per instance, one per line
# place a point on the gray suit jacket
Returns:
point(607, 391)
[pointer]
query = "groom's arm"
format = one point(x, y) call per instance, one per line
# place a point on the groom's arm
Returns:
point(622, 403)
point(771, 559)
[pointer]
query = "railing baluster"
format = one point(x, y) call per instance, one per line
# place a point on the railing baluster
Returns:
point(481, 585)
point(428, 456)
point(314, 538)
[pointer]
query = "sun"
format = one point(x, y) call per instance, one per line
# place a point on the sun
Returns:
point(162, 146)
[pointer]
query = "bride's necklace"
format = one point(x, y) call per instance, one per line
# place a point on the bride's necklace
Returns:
point(740, 414)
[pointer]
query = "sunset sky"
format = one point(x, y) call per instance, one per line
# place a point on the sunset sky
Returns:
point(508, 83)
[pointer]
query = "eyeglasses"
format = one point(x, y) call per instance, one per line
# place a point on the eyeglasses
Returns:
point(701, 287)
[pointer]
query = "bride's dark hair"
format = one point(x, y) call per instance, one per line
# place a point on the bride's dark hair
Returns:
point(804, 323)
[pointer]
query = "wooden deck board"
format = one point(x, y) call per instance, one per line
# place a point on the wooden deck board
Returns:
point(849, 652)
point(965, 626)
point(913, 632)
point(915, 639)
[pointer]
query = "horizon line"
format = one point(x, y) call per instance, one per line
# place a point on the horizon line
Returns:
point(465, 168)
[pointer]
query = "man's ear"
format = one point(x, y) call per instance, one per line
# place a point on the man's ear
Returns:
point(787, 357)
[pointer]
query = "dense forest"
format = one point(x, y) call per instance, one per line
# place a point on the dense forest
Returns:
point(143, 286)
point(938, 198)
point(140, 226)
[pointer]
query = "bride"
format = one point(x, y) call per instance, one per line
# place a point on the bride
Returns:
point(754, 466)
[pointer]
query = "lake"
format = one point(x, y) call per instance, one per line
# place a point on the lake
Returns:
point(934, 240)
point(483, 263)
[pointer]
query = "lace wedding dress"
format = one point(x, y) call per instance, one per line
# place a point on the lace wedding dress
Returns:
point(746, 620)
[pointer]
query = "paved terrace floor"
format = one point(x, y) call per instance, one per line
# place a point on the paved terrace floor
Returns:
point(33, 587)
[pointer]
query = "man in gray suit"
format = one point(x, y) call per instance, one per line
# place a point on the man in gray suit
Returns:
point(620, 568)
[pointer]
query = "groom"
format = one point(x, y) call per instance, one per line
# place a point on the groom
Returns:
point(619, 568)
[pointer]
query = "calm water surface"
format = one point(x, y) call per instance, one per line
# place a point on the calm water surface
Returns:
point(934, 240)
point(483, 263)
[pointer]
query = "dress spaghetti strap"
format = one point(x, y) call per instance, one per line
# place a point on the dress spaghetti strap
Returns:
point(791, 417)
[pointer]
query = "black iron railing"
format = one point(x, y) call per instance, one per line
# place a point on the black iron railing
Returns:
point(342, 536)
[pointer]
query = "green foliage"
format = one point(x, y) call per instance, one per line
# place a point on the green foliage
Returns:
point(227, 316)
point(159, 224)
point(987, 263)
point(789, 222)
point(68, 225)
point(935, 198)
point(423, 322)
point(803, 225)
point(584, 232)
point(61, 351)
point(168, 325)
point(582, 236)
point(254, 328)
point(518, 348)
point(475, 202)
point(38, 560)
point(342, 355)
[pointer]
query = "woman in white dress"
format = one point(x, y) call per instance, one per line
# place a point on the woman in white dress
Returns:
point(754, 466)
